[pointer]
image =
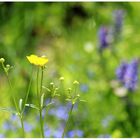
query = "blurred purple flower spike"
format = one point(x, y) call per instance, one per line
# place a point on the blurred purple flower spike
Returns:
point(47, 131)
point(28, 127)
point(84, 88)
point(75, 133)
point(120, 72)
point(2, 136)
point(118, 20)
point(60, 112)
point(127, 74)
point(131, 75)
point(103, 38)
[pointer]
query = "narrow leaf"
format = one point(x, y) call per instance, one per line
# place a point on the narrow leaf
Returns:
point(42, 99)
point(83, 101)
point(20, 104)
point(45, 106)
point(9, 110)
point(46, 88)
point(32, 106)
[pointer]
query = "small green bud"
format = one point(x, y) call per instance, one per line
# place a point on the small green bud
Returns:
point(56, 89)
point(76, 83)
point(61, 78)
point(8, 66)
point(69, 89)
point(51, 83)
point(73, 102)
point(78, 95)
point(2, 60)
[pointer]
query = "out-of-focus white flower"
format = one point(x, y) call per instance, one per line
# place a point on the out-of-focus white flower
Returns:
point(120, 91)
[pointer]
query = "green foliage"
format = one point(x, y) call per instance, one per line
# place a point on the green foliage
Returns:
point(67, 33)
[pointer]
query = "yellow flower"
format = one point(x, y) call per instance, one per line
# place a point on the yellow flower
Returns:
point(38, 61)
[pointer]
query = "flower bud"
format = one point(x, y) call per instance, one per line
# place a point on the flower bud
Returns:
point(69, 89)
point(56, 89)
point(2, 60)
point(61, 78)
point(78, 95)
point(51, 83)
point(8, 66)
point(76, 83)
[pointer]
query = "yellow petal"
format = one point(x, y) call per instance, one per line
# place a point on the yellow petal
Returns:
point(39, 61)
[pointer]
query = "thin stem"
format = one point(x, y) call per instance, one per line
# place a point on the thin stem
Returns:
point(67, 123)
point(103, 66)
point(18, 110)
point(41, 123)
point(37, 86)
point(39, 99)
point(22, 125)
point(130, 106)
point(41, 119)
point(47, 108)
point(14, 100)
point(41, 80)
point(27, 94)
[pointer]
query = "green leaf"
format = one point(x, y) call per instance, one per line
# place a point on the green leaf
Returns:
point(46, 88)
point(68, 99)
point(9, 110)
point(45, 106)
point(42, 99)
point(32, 106)
point(83, 101)
point(20, 104)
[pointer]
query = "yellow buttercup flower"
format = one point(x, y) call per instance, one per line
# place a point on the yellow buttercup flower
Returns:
point(38, 61)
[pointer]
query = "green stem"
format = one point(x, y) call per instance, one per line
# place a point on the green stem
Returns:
point(27, 94)
point(67, 123)
point(41, 123)
point(103, 65)
point(41, 119)
point(130, 106)
point(47, 109)
point(18, 110)
point(41, 81)
point(14, 100)
point(22, 125)
point(39, 99)
point(37, 87)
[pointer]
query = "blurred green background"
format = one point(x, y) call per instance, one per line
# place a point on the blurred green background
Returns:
point(67, 33)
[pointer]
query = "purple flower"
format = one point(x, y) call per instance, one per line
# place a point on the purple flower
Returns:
point(121, 70)
point(84, 88)
point(127, 74)
point(75, 133)
point(131, 75)
point(2, 136)
point(28, 127)
point(58, 133)
point(103, 37)
point(47, 131)
point(118, 20)
point(14, 117)
point(8, 126)
point(60, 112)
